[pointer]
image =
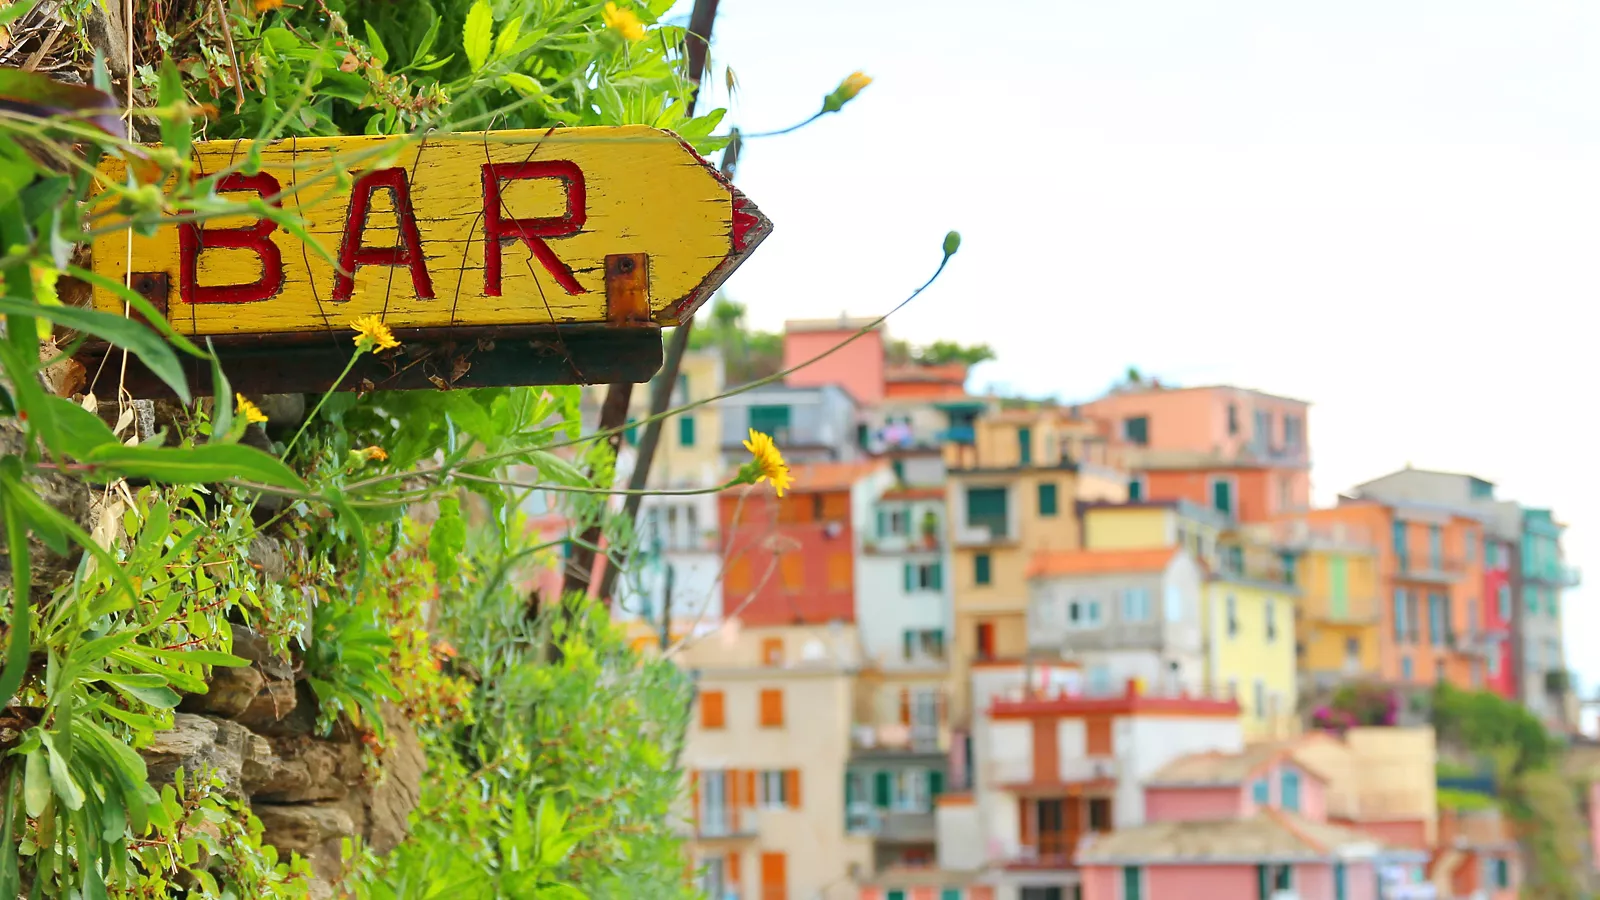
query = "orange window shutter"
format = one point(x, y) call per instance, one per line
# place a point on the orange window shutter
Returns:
point(839, 572)
point(733, 870)
point(905, 706)
point(774, 876)
point(712, 712)
point(791, 787)
point(694, 797)
point(750, 787)
point(772, 708)
point(792, 569)
point(736, 797)
point(772, 651)
point(1097, 737)
point(737, 579)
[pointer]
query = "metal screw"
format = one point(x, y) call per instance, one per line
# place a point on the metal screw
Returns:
point(625, 265)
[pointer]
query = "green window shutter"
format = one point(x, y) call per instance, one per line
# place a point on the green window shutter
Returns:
point(980, 568)
point(1340, 890)
point(882, 789)
point(911, 578)
point(1025, 445)
point(1338, 587)
point(950, 894)
point(938, 575)
point(1263, 890)
point(935, 783)
point(1131, 883)
point(686, 430)
point(988, 507)
point(1047, 498)
point(895, 894)
point(909, 638)
point(849, 790)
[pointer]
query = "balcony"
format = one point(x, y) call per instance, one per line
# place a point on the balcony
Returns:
point(1355, 611)
point(726, 823)
point(1436, 569)
point(982, 535)
point(1018, 773)
point(926, 542)
point(958, 434)
point(863, 818)
point(888, 739)
point(1570, 576)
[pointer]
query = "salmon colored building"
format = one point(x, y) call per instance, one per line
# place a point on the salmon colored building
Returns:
point(1242, 452)
point(858, 367)
point(791, 560)
point(1430, 577)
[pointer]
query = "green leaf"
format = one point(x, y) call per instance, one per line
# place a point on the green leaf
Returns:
point(204, 657)
point(477, 34)
point(8, 15)
point(36, 788)
point(139, 302)
point(222, 400)
point(376, 43)
point(60, 778)
point(204, 464)
point(177, 125)
point(126, 333)
point(159, 697)
point(21, 647)
point(428, 37)
point(10, 875)
point(447, 539)
point(507, 40)
point(76, 432)
point(522, 84)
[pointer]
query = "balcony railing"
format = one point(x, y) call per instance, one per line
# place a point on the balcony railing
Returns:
point(1356, 611)
point(958, 434)
point(726, 822)
point(1427, 567)
point(918, 738)
point(922, 542)
point(863, 818)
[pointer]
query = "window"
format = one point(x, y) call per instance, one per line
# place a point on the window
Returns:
point(1272, 621)
point(980, 569)
point(1551, 602)
point(1435, 618)
point(1294, 432)
point(985, 640)
point(770, 420)
point(1136, 430)
point(1099, 681)
point(1083, 612)
point(1469, 544)
point(1503, 601)
point(1260, 792)
point(737, 579)
point(774, 877)
point(1289, 790)
point(1400, 625)
point(1435, 548)
point(1025, 446)
point(772, 651)
point(923, 576)
point(1047, 498)
point(1135, 605)
point(773, 784)
point(1222, 494)
point(893, 522)
point(839, 571)
point(1338, 587)
point(987, 508)
point(1132, 883)
point(1100, 814)
point(1138, 490)
point(924, 644)
point(1407, 670)
point(1494, 663)
point(1530, 597)
point(712, 881)
point(686, 430)
point(1175, 605)
point(1262, 437)
point(1398, 539)
point(1341, 890)
point(771, 708)
point(1233, 616)
point(1233, 418)
point(792, 572)
point(911, 791)
point(1260, 699)
point(711, 710)
point(1352, 651)
point(1502, 872)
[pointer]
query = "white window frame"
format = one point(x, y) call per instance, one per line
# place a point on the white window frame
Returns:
point(1136, 606)
point(714, 811)
point(911, 790)
point(771, 799)
point(1088, 611)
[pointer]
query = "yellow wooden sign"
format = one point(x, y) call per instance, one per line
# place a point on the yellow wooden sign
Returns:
point(511, 228)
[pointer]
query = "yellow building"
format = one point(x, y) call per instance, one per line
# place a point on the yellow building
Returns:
point(1014, 489)
point(1248, 605)
point(1336, 568)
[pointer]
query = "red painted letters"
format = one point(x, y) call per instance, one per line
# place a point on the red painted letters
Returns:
point(192, 239)
point(500, 229)
point(353, 254)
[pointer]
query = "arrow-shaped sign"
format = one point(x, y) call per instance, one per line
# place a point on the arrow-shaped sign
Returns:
point(453, 237)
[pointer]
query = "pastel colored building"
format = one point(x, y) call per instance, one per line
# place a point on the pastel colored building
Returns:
point(1242, 452)
point(912, 423)
point(1121, 615)
point(1250, 824)
point(1477, 857)
point(858, 367)
point(767, 752)
point(1380, 780)
point(1012, 494)
point(792, 560)
point(1336, 569)
point(1430, 575)
point(1546, 679)
point(808, 423)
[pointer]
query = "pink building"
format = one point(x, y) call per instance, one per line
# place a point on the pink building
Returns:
point(1251, 824)
point(858, 367)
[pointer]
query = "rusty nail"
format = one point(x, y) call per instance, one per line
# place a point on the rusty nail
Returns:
point(625, 265)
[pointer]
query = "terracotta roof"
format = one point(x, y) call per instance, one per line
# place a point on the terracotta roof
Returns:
point(1270, 837)
point(1219, 769)
point(949, 372)
point(1099, 562)
point(832, 476)
point(914, 493)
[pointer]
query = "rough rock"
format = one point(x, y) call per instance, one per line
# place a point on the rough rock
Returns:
point(232, 690)
point(390, 802)
point(247, 644)
point(313, 830)
point(304, 769)
point(196, 744)
point(272, 705)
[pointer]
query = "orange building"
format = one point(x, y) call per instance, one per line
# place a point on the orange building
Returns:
point(858, 367)
point(1238, 451)
point(791, 561)
point(1430, 576)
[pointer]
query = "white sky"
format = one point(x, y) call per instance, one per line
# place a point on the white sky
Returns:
point(1391, 209)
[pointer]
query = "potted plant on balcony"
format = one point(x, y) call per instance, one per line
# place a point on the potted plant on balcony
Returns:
point(930, 529)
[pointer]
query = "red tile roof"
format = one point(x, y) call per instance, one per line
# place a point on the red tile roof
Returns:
point(914, 493)
point(1099, 562)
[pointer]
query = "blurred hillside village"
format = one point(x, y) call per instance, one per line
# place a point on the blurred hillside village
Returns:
point(996, 649)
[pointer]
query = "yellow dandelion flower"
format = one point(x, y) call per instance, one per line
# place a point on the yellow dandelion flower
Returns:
point(767, 462)
point(265, 5)
point(623, 22)
point(371, 333)
point(249, 411)
point(375, 453)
